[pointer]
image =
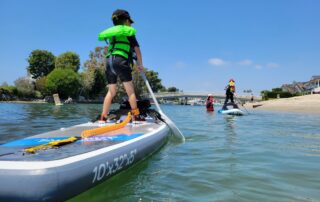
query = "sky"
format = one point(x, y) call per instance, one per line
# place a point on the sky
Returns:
point(196, 46)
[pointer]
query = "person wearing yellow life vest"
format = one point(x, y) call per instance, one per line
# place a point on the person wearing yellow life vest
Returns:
point(230, 90)
point(122, 45)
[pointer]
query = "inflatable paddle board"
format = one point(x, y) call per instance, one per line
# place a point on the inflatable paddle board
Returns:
point(58, 165)
point(237, 112)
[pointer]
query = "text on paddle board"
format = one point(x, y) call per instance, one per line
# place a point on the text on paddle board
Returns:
point(109, 168)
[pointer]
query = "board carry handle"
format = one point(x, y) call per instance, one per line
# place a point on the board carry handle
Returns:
point(51, 144)
point(84, 134)
point(105, 129)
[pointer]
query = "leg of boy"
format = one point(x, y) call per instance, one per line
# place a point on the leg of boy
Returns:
point(227, 98)
point(112, 90)
point(128, 86)
point(231, 98)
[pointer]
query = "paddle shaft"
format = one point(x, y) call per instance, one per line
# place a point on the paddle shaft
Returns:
point(150, 91)
point(241, 103)
point(171, 125)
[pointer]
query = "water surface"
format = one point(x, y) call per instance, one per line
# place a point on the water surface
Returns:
point(264, 156)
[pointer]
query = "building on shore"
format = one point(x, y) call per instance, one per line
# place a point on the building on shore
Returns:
point(308, 87)
point(316, 83)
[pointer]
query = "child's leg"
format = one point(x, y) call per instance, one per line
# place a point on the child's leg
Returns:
point(128, 86)
point(227, 99)
point(112, 90)
point(231, 98)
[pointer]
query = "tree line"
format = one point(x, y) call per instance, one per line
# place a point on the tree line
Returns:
point(277, 92)
point(48, 74)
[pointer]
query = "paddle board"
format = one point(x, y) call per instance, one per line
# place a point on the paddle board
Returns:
point(62, 172)
point(237, 112)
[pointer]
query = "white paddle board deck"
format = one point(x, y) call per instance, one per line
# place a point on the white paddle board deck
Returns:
point(58, 174)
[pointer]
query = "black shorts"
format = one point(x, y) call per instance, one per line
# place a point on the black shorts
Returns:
point(120, 67)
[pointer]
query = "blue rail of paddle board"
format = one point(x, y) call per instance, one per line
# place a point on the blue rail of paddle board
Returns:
point(120, 137)
point(32, 141)
point(39, 141)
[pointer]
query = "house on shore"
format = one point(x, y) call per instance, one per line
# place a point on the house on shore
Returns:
point(315, 80)
point(309, 87)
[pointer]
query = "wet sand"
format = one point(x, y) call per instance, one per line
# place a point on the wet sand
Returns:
point(301, 104)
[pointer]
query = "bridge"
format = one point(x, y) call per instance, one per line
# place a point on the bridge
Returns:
point(185, 96)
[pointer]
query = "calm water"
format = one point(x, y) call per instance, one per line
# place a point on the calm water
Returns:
point(264, 156)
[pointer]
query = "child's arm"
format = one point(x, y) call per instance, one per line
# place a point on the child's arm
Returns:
point(134, 43)
point(139, 57)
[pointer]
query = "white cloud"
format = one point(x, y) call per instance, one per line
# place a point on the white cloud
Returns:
point(216, 61)
point(273, 65)
point(258, 66)
point(245, 62)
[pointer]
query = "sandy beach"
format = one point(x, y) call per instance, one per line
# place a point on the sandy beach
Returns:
point(301, 104)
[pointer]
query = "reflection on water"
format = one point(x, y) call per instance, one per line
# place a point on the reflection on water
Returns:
point(230, 129)
point(264, 156)
point(230, 135)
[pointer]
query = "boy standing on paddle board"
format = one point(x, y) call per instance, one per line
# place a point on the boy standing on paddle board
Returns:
point(230, 90)
point(122, 44)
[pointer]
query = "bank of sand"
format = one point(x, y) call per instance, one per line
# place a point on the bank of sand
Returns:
point(301, 104)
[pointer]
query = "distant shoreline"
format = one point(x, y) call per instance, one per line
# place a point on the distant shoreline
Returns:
point(307, 104)
point(44, 102)
point(25, 102)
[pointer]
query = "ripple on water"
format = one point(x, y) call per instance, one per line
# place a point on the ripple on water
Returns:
point(265, 156)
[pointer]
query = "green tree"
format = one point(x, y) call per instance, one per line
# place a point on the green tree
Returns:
point(264, 94)
point(40, 85)
point(154, 80)
point(99, 84)
point(65, 82)
point(93, 77)
point(68, 60)
point(41, 63)
point(12, 90)
point(97, 59)
point(37, 94)
point(163, 89)
point(8, 92)
point(93, 82)
point(87, 81)
point(172, 89)
point(277, 90)
point(25, 87)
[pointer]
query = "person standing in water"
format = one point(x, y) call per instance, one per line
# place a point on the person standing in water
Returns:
point(209, 103)
point(122, 44)
point(230, 90)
